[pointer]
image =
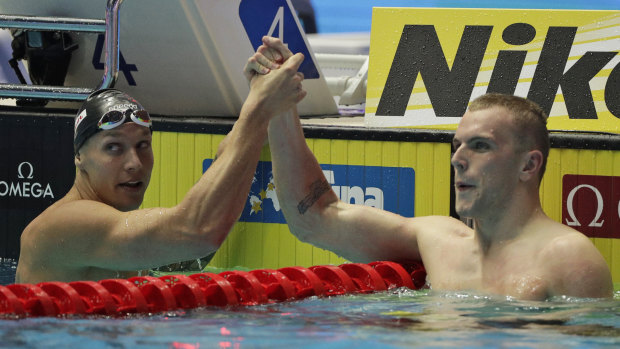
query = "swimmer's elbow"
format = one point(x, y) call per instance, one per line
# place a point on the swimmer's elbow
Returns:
point(311, 230)
point(214, 233)
point(303, 235)
point(311, 224)
point(200, 227)
point(303, 227)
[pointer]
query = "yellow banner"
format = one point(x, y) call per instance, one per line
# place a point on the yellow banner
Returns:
point(427, 64)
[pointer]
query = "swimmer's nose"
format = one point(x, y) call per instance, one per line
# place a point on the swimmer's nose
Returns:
point(457, 160)
point(132, 161)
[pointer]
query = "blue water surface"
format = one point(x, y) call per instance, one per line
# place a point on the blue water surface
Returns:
point(392, 319)
point(400, 318)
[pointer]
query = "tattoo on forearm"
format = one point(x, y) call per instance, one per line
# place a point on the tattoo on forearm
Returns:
point(317, 189)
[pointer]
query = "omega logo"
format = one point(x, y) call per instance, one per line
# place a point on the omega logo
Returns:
point(599, 207)
point(20, 173)
point(25, 188)
point(591, 204)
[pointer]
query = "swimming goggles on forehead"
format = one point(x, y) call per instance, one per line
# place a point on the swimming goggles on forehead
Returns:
point(115, 118)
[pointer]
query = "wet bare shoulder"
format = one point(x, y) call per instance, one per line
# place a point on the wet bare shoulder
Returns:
point(61, 222)
point(576, 267)
point(42, 223)
point(565, 241)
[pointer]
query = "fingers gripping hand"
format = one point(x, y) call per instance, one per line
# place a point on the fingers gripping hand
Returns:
point(281, 89)
point(270, 55)
point(279, 47)
point(259, 63)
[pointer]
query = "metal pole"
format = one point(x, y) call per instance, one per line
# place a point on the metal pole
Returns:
point(52, 23)
point(112, 50)
point(111, 64)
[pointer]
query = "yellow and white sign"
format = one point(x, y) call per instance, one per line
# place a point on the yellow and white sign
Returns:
point(427, 64)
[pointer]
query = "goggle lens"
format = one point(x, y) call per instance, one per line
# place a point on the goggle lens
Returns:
point(141, 117)
point(111, 120)
point(115, 118)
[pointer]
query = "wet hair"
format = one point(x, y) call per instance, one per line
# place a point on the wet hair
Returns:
point(528, 117)
point(94, 107)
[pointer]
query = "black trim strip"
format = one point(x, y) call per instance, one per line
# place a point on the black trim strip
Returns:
point(589, 141)
point(559, 139)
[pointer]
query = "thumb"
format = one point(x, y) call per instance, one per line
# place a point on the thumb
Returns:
point(295, 61)
point(278, 45)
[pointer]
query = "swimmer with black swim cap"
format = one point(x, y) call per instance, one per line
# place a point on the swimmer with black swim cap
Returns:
point(112, 145)
point(98, 231)
point(105, 110)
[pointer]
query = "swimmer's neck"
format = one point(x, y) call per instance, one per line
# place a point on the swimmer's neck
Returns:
point(81, 189)
point(508, 226)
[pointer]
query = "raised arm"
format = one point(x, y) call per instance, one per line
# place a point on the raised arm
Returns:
point(316, 215)
point(89, 233)
point(312, 210)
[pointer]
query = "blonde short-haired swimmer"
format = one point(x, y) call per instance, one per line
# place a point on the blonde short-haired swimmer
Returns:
point(514, 249)
point(96, 230)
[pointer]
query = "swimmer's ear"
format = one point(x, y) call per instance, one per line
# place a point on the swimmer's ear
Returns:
point(531, 166)
point(78, 161)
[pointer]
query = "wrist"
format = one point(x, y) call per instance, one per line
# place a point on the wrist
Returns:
point(253, 121)
point(255, 108)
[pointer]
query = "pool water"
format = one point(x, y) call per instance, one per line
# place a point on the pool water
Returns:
point(398, 318)
point(7, 271)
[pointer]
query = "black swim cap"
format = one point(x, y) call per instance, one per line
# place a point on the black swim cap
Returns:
point(99, 103)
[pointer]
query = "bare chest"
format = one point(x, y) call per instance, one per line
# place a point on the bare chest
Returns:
point(512, 275)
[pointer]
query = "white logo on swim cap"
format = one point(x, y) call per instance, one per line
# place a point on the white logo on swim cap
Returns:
point(123, 106)
point(79, 119)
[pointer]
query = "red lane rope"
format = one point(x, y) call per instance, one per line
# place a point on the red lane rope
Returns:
point(147, 294)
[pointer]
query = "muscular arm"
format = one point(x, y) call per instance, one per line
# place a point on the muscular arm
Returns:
point(87, 233)
point(312, 210)
point(316, 215)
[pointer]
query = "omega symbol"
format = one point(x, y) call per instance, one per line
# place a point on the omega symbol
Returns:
point(20, 174)
point(599, 207)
